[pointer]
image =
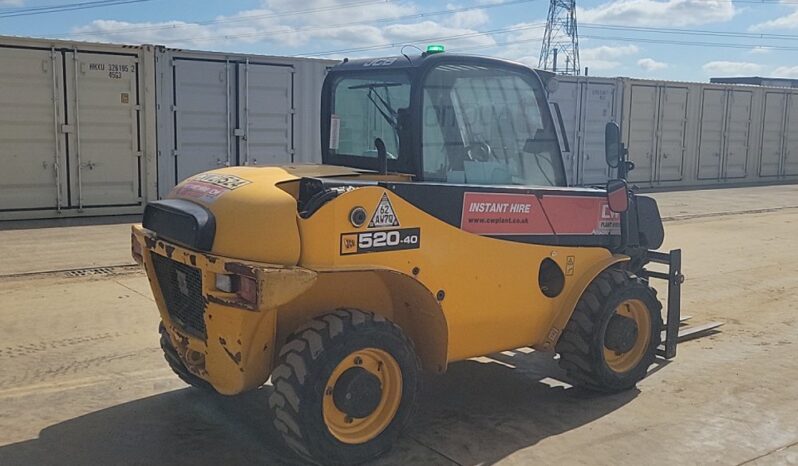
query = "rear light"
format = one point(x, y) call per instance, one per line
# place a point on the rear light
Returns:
point(246, 288)
point(136, 250)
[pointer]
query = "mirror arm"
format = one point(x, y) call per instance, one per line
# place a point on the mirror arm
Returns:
point(382, 156)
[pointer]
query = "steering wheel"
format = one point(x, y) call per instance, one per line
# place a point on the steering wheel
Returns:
point(479, 152)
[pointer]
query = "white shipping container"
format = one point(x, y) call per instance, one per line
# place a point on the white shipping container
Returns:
point(587, 104)
point(218, 110)
point(681, 134)
point(74, 138)
point(780, 134)
point(79, 123)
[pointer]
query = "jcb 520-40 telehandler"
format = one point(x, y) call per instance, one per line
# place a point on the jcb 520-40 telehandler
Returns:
point(438, 228)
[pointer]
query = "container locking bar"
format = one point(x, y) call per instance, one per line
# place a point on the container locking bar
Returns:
point(673, 260)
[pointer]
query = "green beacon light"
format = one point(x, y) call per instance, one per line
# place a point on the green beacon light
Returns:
point(435, 49)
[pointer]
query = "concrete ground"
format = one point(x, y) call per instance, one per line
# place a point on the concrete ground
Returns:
point(82, 380)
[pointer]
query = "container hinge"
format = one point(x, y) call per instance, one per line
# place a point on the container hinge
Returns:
point(173, 108)
point(238, 132)
point(292, 111)
point(137, 107)
point(175, 153)
point(66, 129)
point(138, 154)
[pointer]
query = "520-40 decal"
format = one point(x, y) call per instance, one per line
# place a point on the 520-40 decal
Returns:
point(380, 241)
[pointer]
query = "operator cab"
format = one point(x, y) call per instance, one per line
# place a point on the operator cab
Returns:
point(442, 118)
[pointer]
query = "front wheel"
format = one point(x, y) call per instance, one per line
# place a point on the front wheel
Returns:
point(613, 335)
point(344, 388)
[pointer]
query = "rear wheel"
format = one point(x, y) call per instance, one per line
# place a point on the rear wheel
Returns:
point(177, 366)
point(613, 334)
point(345, 387)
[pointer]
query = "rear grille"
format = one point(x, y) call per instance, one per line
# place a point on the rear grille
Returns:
point(181, 286)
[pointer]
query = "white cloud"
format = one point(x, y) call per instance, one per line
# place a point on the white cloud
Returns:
point(760, 50)
point(789, 21)
point(731, 68)
point(659, 13)
point(786, 72)
point(327, 27)
point(467, 18)
point(606, 57)
point(649, 64)
point(522, 43)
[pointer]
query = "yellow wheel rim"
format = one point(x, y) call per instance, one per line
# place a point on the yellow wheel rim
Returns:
point(624, 362)
point(355, 431)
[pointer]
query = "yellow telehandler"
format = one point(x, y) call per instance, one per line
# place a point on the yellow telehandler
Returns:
point(438, 228)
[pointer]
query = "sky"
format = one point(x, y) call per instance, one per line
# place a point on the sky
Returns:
point(687, 40)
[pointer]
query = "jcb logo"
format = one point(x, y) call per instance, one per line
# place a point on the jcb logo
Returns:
point(380, 62)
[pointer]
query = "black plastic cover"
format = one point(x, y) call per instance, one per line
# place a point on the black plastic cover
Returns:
point(181, 221)
point(649, 223)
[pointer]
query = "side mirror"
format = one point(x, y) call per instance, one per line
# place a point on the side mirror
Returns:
point(618, 196)
point(613, 150)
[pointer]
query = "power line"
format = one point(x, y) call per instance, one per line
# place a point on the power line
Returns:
point(226, 20)
point(635, 40)
point(297, 12)
point(30, 11)
point(697, 32)
point(428, 39)
point(692, 43)
point(362, 22)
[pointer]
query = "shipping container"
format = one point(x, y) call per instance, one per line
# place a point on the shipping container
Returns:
point(681, 134)
point(100, 129)
point(685, 135)
point(587, 104)
point(217, 109)
point(77, 133)
point(779, 155)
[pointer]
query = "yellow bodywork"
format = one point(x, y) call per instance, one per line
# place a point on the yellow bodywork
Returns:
point(458, 295)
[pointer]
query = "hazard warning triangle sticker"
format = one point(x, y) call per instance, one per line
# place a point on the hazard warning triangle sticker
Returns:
point(384, 215)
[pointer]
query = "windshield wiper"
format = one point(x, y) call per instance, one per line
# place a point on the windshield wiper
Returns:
point(383, 106)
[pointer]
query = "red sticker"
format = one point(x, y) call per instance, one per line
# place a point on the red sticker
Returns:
point(581, 215)
point(503, 214)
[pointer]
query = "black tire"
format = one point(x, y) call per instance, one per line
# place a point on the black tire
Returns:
point(305, 365)
point(583, 342)
point(177, 366)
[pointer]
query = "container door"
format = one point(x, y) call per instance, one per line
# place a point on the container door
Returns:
point(642, 131)
point(567, 98)
point(772, 133)
point(672, 133)
point(791, 137)
point(710, 145)
point(103, 114)
point(265, 114)
point(597, 111)
point(32, 149)
point(204, 122)
point(738, 128)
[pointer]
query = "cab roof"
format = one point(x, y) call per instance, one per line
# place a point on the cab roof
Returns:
point(427, 59)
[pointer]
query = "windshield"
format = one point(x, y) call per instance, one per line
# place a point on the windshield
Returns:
point(486, 126)
point(365, 108)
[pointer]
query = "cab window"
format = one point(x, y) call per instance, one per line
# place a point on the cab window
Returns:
point(365, 108)
point(486, 126)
